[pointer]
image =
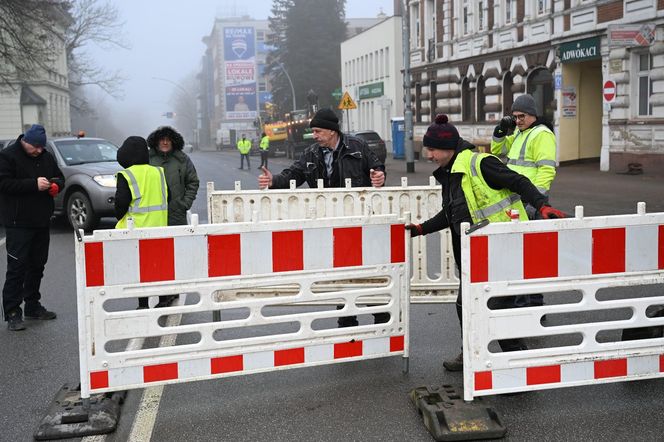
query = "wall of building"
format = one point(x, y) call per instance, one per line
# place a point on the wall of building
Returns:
point(372, 57)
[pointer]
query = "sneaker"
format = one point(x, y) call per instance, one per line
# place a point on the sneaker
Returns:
point(40, 313)
point(455, 364)
point(15, 322)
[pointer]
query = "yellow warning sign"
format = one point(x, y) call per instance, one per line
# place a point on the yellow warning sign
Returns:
point(347, 102)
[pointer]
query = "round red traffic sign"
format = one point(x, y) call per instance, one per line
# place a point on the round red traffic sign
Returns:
point(609, 91)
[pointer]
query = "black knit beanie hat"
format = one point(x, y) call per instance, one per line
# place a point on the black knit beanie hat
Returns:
point(326, 119)
point(134, 150)
point(441, 134)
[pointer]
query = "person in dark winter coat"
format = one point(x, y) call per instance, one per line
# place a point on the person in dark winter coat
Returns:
point(333, 158)
point(166, 151)
point(29, 180)
point(475, 187)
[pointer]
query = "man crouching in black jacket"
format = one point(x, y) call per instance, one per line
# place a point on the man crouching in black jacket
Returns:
point(29, 180)
point(333, 158)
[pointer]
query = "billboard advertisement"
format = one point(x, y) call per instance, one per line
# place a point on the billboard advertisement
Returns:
point(240, 73)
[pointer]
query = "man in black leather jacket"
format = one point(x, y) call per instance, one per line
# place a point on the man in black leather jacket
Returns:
point(29, 180)
point(333, 158)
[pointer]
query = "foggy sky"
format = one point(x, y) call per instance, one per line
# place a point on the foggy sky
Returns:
point(165, 38)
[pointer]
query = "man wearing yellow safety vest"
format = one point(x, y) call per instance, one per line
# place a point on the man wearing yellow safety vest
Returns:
point(265, 149)
point(141, 192)
point(475, 187)
point(244, 146)
point(531, 149)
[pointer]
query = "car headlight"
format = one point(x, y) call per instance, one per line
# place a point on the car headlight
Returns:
point(105, 180)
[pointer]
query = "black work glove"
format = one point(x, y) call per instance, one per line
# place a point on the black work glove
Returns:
point(507, 124)
point(414, 229)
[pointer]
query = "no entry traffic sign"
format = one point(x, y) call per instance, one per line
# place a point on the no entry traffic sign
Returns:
point(609, 91)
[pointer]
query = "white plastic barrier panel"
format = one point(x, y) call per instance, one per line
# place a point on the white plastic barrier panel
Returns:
point(601, 280)
point(422, 202)
point(115, 267)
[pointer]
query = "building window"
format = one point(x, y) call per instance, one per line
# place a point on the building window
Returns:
point(480, 16)
point(387, 61)
point(644, 86)
point(541, 6)
point(508, 95)
point(465, 20)
point(481, 99)
point(540, 86)
point(508, 11)
point(467, 101)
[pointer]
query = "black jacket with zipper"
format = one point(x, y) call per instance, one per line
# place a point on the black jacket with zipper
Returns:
point(354, 159)
point(22, 204)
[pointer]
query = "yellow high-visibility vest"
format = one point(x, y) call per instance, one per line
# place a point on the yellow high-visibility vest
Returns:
point(149, 197)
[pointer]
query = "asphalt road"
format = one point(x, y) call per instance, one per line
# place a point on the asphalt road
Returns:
point(364, 400)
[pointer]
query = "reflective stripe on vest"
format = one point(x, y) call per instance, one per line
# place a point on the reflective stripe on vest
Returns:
point(152, 211)
point(483, 201)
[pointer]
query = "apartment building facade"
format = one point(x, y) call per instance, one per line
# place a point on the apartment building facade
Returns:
point(595, 68)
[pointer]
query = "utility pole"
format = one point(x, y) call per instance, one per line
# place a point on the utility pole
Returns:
point(408, 110)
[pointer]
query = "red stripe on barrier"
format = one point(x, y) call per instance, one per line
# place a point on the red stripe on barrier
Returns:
point(660, 248)
point(224, 255)
point(661, 363)
point(396, 343)
point(347, 246)
point(98, 379)
point(226, 364)
point(608, 250)
point(287, 251)
point(94, 264)
point(540, 255)
point(611, 368)
point(347, 349)
point(156, 259)
point(479, 258)
point(289, 357)
point(483, 380)
point(397, 241)
point(161, 372)
point(549, 374)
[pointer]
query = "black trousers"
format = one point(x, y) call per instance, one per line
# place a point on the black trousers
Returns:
point(242, 157)
point(264, 154)
point(27, 253)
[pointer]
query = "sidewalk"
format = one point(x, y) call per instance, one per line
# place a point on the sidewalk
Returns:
point(601, 193)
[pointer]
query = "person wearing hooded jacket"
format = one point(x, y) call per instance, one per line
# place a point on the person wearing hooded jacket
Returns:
point(29, 181)
point(141, 193)
point(475, 187)
point(166, 151)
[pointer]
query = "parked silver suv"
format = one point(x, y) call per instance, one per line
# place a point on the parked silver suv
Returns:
point(89, 166)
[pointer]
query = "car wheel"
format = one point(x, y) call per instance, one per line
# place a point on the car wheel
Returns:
point(80, 213)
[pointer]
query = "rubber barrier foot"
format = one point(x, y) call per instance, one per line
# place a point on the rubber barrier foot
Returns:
point(70, 416)
point(449, 418)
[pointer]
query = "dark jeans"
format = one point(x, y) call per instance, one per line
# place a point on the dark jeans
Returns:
point(27, 253)
point(264, 154)
point(242, 157)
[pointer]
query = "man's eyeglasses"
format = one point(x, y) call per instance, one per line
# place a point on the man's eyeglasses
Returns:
point(519, 117)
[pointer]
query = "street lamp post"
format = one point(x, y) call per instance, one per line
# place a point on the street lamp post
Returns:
point(280, 64)
point(189, 96)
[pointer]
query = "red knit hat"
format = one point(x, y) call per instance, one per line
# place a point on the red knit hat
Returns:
point(441, 134)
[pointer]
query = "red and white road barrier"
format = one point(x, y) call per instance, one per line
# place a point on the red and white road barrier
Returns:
point(256, 334)
point(571, 260)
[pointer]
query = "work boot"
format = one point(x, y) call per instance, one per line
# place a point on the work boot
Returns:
point(40, 313)
point(166, 300)
point(15, 321)
point(455, 364)
point(381, 318)
point(347, 321)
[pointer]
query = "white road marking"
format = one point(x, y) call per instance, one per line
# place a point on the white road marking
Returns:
point(2, 242)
